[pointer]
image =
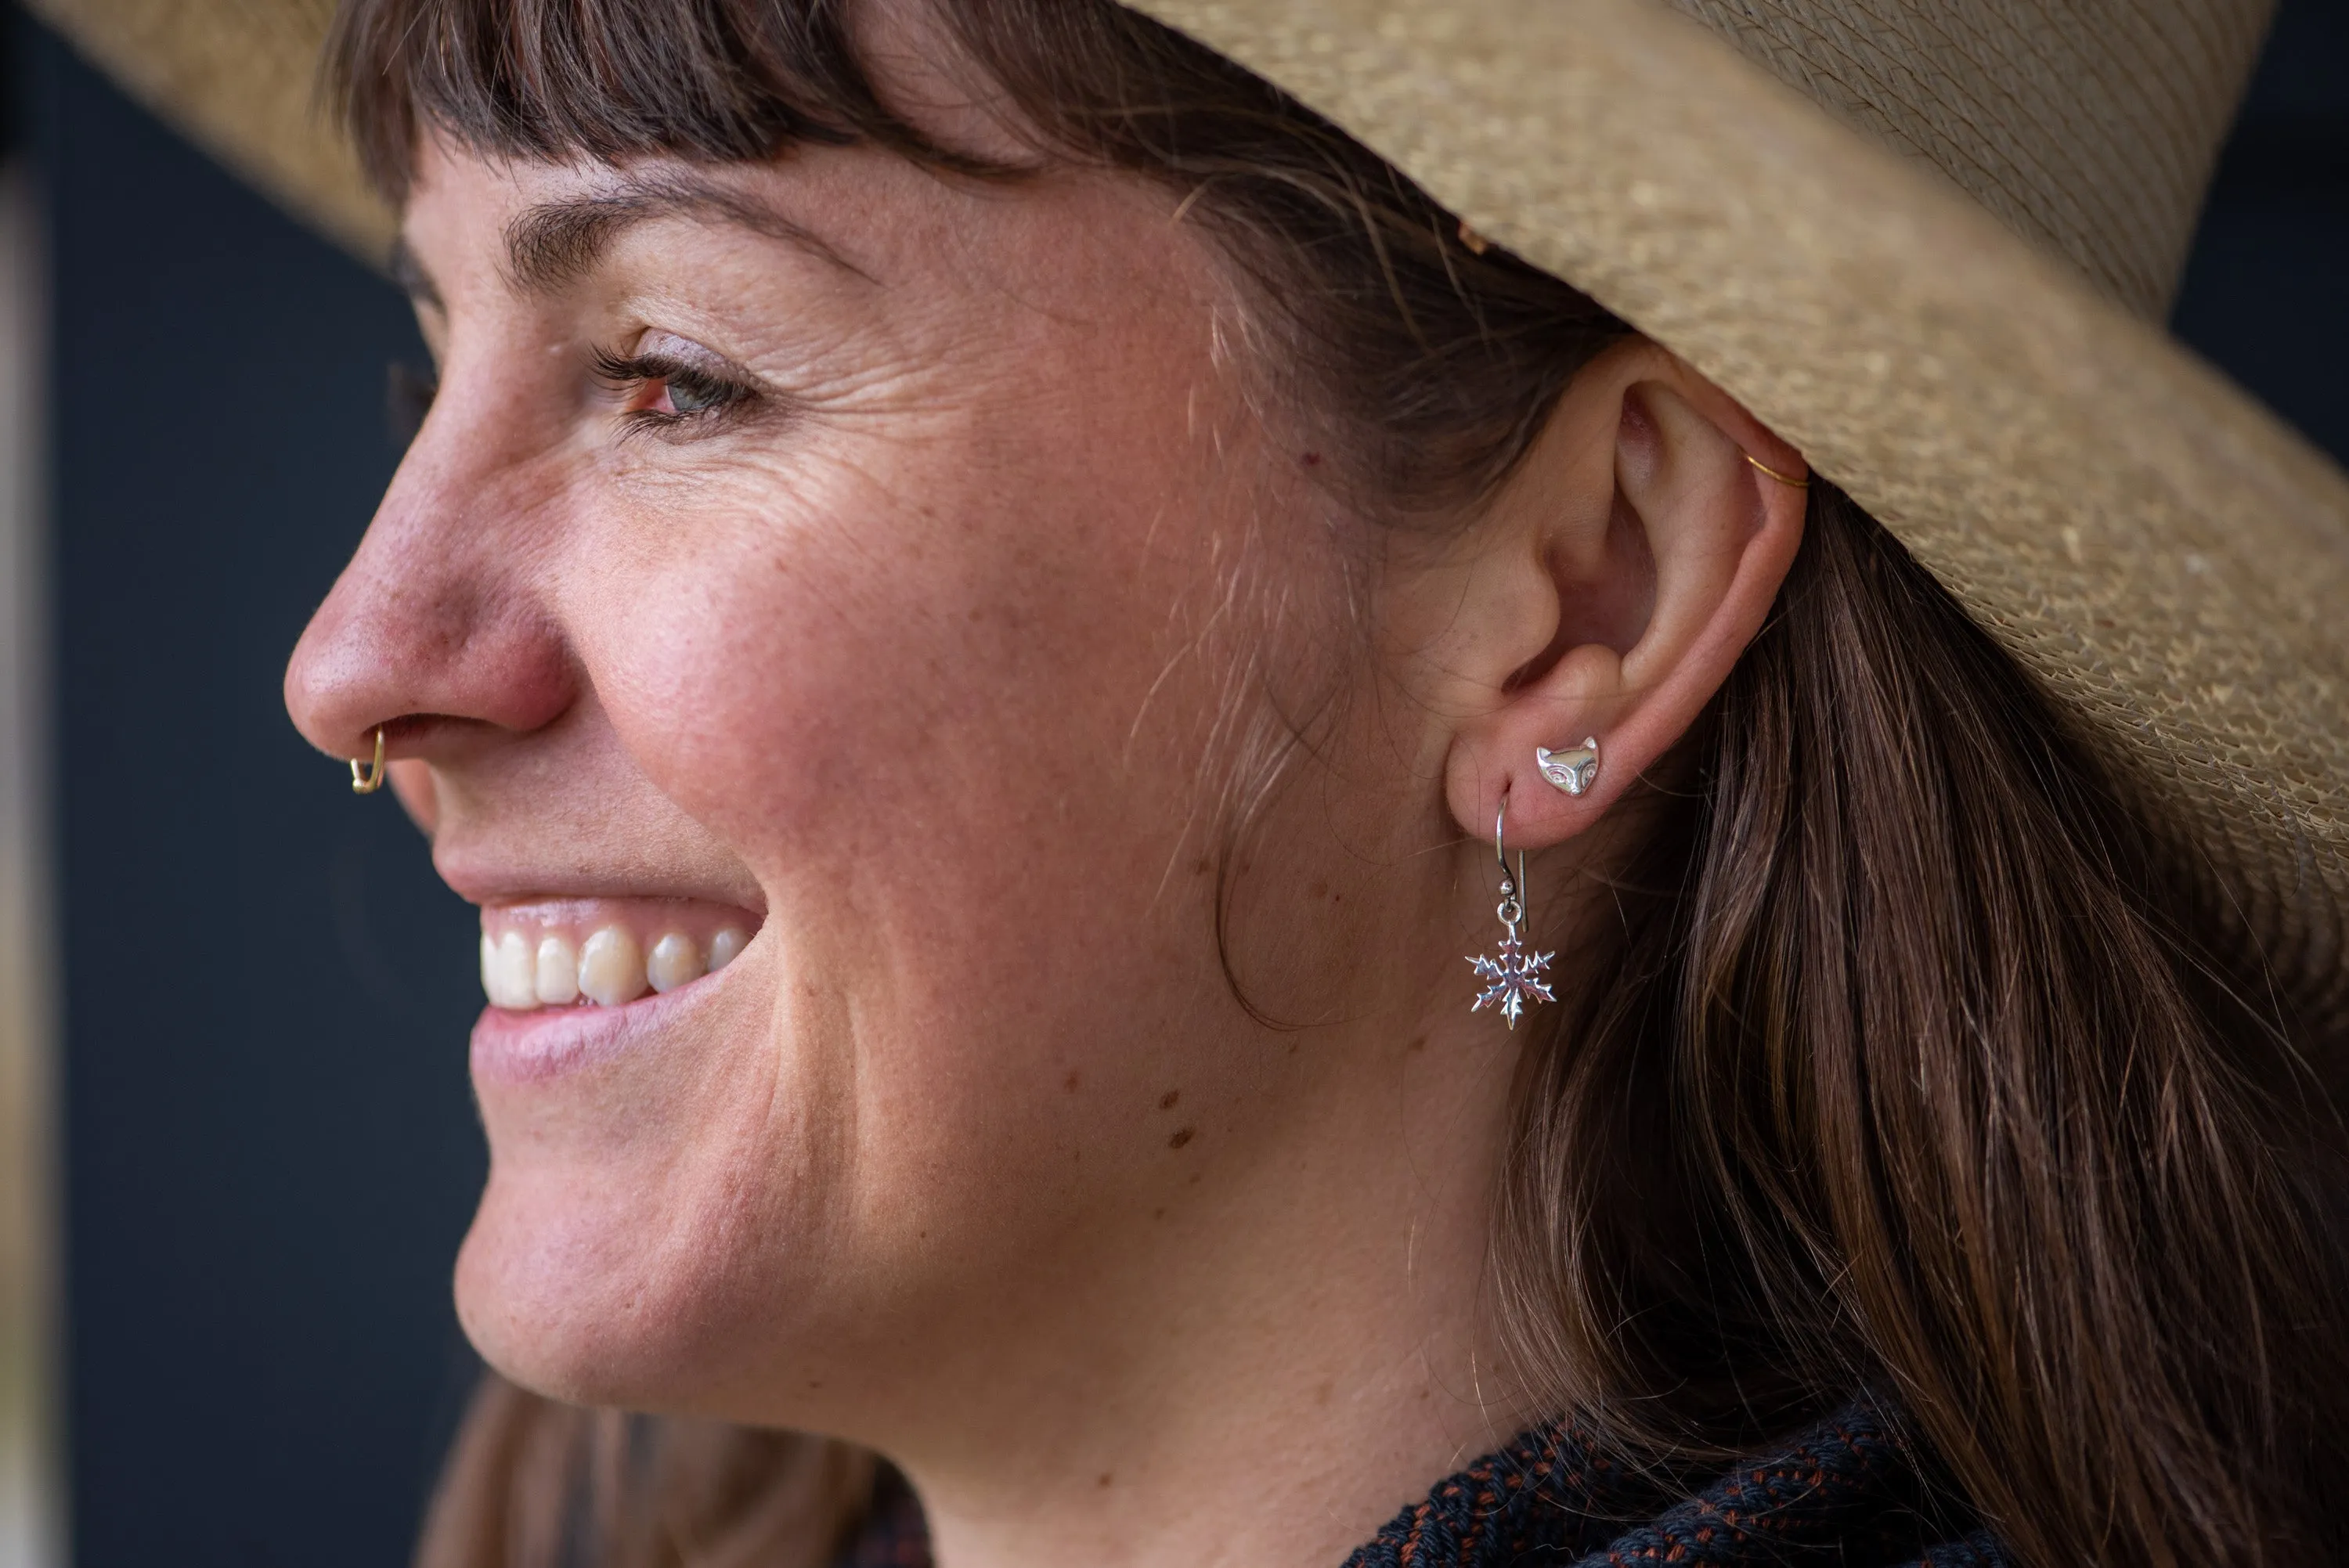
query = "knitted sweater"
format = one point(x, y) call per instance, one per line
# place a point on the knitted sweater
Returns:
point(1846, 1493)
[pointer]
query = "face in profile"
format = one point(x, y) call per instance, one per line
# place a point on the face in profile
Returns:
point(819, 623)
point(985, 691)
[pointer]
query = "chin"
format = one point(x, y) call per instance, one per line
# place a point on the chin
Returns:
point(557, 1297)
point(620, 1256)
point(592, 1287)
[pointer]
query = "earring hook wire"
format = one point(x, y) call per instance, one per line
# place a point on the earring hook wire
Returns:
point(1515, 889)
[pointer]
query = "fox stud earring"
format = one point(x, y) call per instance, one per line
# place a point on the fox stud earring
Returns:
point(1573, 771)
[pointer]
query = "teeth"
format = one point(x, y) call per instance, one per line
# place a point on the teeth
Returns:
point(511, 974)
point(612, 967)
point(533, 964)
point(675, 962)
point(558, 970)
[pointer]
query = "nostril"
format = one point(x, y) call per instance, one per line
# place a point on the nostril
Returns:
point(407, 736)
point(425, 734)
point(412, 729)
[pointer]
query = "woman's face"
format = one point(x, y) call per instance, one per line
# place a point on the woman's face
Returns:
point(872, 566)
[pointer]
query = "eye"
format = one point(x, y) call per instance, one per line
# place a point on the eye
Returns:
point(663, 389)
point(688, 393)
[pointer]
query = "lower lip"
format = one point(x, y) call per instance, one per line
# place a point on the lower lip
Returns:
point(517, 1048)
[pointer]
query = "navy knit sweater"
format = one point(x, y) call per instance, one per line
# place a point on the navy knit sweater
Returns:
point(1846, 1493)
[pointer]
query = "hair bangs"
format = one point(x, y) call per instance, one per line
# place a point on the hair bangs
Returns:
point(711, 80)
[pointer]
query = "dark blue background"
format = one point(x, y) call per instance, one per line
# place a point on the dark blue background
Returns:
point(270, 1150)
point(270, 1146)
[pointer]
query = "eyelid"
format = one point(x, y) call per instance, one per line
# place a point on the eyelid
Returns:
point(624, 369)
point(737, 391)
point(672, 353)
point(655, 343)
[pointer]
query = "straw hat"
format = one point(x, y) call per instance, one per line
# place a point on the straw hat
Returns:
point(1930, 242)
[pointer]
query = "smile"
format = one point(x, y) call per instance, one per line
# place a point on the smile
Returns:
point(602, 953)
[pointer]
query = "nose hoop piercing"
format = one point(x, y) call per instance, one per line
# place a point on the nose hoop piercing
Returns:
point(1511, 974)
point(366, 780)
point(1573, 771)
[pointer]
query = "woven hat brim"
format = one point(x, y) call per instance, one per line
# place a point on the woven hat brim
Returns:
point(2167, 557)
point(239, 77)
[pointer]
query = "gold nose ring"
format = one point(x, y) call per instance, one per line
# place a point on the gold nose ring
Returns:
point(365, 779)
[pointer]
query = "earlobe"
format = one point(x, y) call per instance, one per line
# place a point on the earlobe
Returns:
point(1703, 514)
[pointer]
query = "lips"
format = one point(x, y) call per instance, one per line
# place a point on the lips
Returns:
point(604, 953)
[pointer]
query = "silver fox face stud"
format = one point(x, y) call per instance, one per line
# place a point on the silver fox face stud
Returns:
point(1573, 771)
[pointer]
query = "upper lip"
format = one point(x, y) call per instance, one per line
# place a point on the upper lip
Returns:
point(488, 882)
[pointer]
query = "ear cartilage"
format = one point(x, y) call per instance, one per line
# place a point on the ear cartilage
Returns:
point(1573, 771)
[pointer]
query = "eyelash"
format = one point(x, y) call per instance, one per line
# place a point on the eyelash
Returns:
point(409, 393)
point(722, 398)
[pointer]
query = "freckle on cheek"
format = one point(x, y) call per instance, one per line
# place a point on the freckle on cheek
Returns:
point(1182, 1138)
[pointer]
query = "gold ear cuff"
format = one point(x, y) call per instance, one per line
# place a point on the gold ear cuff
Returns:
point(1803, 483)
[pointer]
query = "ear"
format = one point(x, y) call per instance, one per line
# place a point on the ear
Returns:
point(1613, 584)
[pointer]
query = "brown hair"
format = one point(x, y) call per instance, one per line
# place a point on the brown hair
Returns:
point(1902, 1079)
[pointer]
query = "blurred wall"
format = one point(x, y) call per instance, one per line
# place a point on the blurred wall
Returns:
point(270, 1147)
point(2267, 289)
point(270, 1150)
point(31, 1511)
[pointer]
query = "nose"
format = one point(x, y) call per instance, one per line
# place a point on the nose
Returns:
point(436, 630)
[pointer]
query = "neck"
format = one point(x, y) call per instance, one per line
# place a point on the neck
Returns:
point(1272, 1366)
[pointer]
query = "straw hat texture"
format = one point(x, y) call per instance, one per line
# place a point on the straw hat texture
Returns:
point(1929, 242)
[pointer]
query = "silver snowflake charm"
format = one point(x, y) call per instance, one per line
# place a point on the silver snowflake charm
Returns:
point(1512, 975)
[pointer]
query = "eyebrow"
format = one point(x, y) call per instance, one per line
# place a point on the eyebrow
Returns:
point(557, 243)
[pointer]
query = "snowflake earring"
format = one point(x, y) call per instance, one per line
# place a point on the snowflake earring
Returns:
point(1511, 976)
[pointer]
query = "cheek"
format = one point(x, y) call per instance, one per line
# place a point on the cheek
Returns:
point(949, 694)
point(897, 649)
point(952, 726)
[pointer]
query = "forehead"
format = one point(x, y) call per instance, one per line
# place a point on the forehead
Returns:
point(558, 216)
point(554, 229)
point(537, 230)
